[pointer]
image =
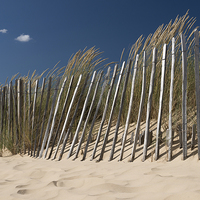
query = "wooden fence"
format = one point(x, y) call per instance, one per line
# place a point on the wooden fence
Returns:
point(45, 133)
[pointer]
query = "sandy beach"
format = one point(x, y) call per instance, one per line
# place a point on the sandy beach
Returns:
point(23, 177)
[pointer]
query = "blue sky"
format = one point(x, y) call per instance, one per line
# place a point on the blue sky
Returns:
point(41, 33)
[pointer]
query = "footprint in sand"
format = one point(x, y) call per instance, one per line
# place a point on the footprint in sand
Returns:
point(21, 186)
point(37, 174)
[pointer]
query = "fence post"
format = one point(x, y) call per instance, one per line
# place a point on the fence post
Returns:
point(130, 107)
point(196, 34)
point(39, 114)
point(184, 95)
point(171, 99)
point(50, 117)
point(44, 116)
point(103, 117)
point(120, 110)
point(62, 116)
point(33, 114)
point(161, 101)
point(67, 116)
point(140, 108)
point(111, 112)
point(73, 119)
point(149, 103)
point(54, 117)
point(89, 112)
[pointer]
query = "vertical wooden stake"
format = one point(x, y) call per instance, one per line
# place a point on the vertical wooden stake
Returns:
point(67, 116)
point(149, 103)
point(62, 116)
point(29, 114)
point(103, 117)
point(81, 117)
point(50, 117)
point(73, 119)
point(111, 112)
point(120, 110)
point(140, 108)
point(161, 101)
point(44, 116)
point(129, 108)
point(39, 114)
point(54, 117)
point(196, 35)
point(24, 127)
point(171, 99)
point(89, 112)
point(184, 95)
point(33, 115)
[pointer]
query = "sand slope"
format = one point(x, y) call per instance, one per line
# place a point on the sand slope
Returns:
point(23, 177)
point(28, 178)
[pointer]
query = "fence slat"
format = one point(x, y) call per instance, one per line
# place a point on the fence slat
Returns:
point(184, 96)
point(44, 116)
point(33, 115)
point(29, 114)
point(81, 117)
point(149, 104)
point(104, 115)
point(171, 100)
point(129, 108)
point(89, 113)
point(160, 101)
point(67, 116)
point(62, 116)
point(24, 124)
point(140, 108)
point(50, 117)
point(196, 35)
point(111, 112)
point(54, 117)
point(120, 110)
point(73, 118)
point(39, 114)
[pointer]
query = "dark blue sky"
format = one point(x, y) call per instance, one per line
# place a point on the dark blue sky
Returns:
point(55, 29)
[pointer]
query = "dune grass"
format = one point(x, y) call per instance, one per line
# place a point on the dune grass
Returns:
point(85, 62)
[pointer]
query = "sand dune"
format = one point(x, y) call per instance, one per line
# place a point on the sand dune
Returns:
point(23, 177)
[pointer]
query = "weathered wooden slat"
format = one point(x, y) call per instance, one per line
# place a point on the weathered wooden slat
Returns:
point(2, 117)
point(89, 112)
point(149, 104)
point(39, 115)
point(171, 100)
point(9, 110)
point(16, 118)
point(129, 108)
point(19, 110)
point(73, 118)
point(194, 129)
point(33, 115)
point(140, 108)
point(81, 117)
point(54, 117)
point(50, 117)
point(160, 101)
point(103, 117)
point(61, 117)
point(196, 35)
point(24, 124)
point(184, 95)
point(67, 116)
point(44, 116)
point(29, 114)
point(111, 112)
point(120, 110)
